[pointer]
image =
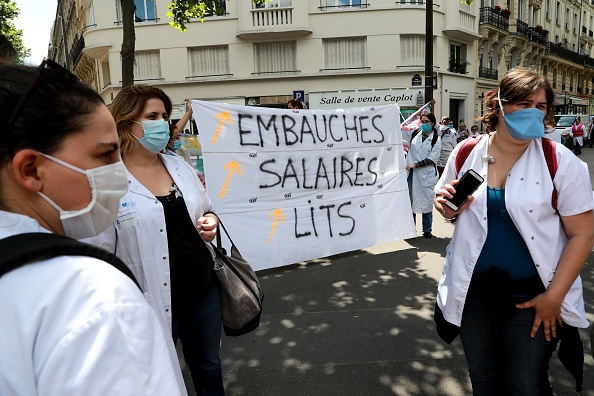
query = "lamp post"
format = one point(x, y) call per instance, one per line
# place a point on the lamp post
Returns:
point(429, 51)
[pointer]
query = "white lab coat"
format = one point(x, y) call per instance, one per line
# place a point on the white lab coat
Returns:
point(74, 326)
point(424, 178)
point(449, 139)
point(528, 200)
point(142, 234)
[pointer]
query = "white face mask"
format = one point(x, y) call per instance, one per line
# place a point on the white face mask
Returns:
point(108, 184)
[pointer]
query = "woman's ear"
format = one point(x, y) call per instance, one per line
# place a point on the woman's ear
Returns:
point(26, 170)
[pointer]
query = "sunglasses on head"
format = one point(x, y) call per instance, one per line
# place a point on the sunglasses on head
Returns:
point(48, 70)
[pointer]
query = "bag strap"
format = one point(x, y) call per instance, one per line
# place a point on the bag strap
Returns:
point(549, 148)
point(465, 150)
point(21, 249)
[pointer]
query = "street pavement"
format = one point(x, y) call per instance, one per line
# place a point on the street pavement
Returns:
point(361, 323)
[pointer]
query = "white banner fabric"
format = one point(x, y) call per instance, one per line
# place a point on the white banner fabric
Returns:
point(295, 185)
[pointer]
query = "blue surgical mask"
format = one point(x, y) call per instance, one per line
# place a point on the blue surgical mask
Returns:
point(524, 124)
point(156, 135)
point(426, 127)
point(176, 145)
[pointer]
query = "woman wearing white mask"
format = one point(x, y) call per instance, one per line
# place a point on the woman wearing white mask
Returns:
point(162, 232)
point(69, 324)
point(510, 280)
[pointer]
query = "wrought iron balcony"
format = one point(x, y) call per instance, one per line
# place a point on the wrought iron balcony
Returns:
point(458, 67)
point(521, 28)
point(493, 17)
point(76, 51)
point(490, 74)
point(565, 53)
point(538, 35)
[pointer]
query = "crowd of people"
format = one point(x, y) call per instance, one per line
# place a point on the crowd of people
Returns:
point(66, 318)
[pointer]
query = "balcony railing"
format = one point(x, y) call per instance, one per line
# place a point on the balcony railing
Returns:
point(521, 28)
point(565, 53)
point(493, 17)
point(270, 17)
point(491, 74)
point(538, 35)
point(589, 62)
point(76, 51)
point(458, 67)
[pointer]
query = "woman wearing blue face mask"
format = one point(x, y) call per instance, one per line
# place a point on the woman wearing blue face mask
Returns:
point(510, 283)
point(163, 230)
point(421, 160)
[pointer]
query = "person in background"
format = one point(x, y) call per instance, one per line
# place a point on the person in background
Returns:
point(175, 137)
point(423, 152)
point(510, 280)
point(448, 142)
point(71, 325)
point(463, 133)
point(590, 135)
point(163, 233)
point(296, 104)
point(474, 130)
point(578, 130)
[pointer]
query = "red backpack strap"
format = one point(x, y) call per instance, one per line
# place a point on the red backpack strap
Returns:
point(465, 150)
point(549, 148)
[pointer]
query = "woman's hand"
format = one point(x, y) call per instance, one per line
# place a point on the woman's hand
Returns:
point(411, 166)
point(207, 226)
point(548, 313)
point(448, 191)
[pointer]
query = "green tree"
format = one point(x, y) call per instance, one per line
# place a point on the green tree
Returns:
point(180, 11)
point(9, 12)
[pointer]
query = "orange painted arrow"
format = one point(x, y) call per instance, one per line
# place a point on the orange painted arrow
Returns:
point(224, 117)
point(232, 166)
point(278, 213)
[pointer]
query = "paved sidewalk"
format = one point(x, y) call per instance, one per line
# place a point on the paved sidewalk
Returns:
point(360, 323)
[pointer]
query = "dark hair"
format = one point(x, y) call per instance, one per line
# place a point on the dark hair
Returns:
point(7, 50)
point(296, 103)
point(517, 84)
point(129, 103)
point(431, 117)
point(55, 109)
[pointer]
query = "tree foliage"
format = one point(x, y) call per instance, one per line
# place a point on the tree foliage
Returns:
point(181, 11)
point(8, 13)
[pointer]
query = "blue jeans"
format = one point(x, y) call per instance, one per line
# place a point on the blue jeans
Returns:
point(427, 217)
point(199, 327)
point(502, 358)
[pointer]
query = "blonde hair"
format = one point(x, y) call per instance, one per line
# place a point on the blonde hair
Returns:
point(129, 104)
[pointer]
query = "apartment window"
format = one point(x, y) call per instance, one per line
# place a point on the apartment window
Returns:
point(343, 3)
point(105, 74)
point(147, 65)
point(457, 61)
point(209, 61)
point(275, 57)
point(548, 9)
point(412, 50)
point(575, 23)
point(554, 78)
point(558, 13)
point(273, 4)
point(145, 10)
point(345, 53)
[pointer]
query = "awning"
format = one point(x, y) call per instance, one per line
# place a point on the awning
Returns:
point(579, 101)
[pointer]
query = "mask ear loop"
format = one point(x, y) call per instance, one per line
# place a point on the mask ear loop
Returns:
point(499, 100)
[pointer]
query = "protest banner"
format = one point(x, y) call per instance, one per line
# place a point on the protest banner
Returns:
point(295, 185)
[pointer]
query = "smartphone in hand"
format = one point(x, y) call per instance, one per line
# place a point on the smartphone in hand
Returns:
point(467, 185)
